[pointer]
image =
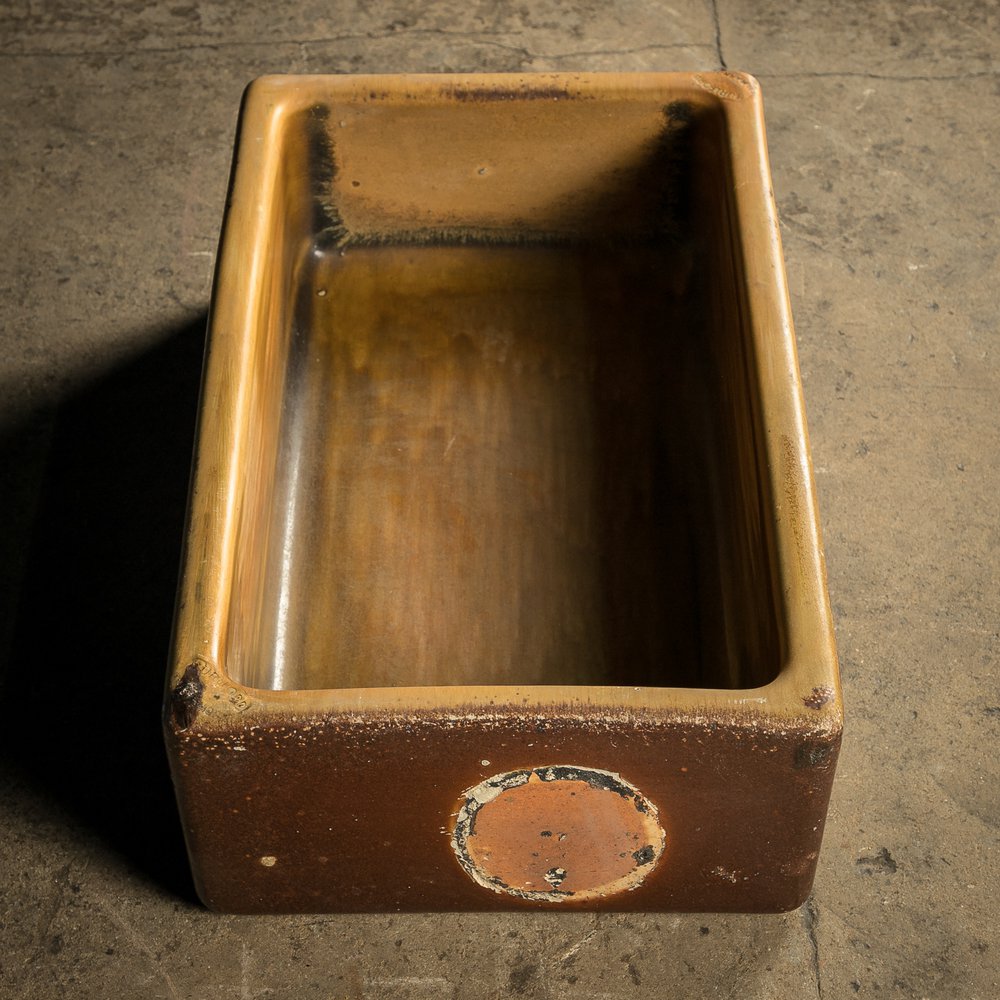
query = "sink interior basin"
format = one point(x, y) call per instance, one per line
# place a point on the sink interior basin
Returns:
point(503, 418)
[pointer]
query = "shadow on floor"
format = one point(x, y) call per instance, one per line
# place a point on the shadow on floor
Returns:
point(94, 494)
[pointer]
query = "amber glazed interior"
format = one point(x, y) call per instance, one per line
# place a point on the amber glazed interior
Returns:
point(497, 411)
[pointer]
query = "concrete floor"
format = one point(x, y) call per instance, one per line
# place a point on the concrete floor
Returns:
point(117, 122)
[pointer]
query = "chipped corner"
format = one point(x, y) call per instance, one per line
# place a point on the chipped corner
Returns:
point(184, 699)
point(199, 691)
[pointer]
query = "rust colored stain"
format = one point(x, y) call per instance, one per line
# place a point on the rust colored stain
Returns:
point(559, 832)
point(524, 93)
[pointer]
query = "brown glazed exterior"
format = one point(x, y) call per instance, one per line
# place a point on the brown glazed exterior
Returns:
point(503, 585)
point(358, 814)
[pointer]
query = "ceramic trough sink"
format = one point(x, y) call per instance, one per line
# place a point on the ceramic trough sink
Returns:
point(503, 585)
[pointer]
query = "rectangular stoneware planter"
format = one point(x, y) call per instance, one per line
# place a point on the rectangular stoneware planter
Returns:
point(503, 586)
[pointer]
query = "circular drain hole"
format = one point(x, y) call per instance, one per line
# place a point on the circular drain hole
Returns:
point(557, 833)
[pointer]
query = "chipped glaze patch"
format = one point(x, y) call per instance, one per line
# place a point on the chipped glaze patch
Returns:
point(741, 86)
point(557, 833)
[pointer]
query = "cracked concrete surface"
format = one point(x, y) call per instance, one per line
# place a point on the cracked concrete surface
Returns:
point(118, 121)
